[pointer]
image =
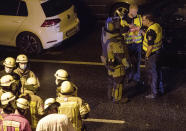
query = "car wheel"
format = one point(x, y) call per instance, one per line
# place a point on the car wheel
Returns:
point(28, 43)
point(119, 10)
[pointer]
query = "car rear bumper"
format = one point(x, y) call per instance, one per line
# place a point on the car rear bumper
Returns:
point(53, 38)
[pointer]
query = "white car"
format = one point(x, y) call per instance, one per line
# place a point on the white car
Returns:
point(34, 25)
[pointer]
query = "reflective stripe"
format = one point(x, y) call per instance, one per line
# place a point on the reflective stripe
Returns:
point(129, 39)
point(158, 41)
point(8, 123)
point(155, 47)
point(33, 111)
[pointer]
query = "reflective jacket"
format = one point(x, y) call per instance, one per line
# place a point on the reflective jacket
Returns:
point(133, 36)
point(157, 42)
point(25, 75)
point(74, 108)
point(36, 108)
point(15, 122)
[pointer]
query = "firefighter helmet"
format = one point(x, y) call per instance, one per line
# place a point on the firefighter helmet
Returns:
point(61, 74)
point(21, 58)
point(22, 103)
point(9, 62)
point(112, 24)
point(66, 87)
point(109, 25)
point(49, 102)
point(7, 80)
point(6, 98)
point(31, 81)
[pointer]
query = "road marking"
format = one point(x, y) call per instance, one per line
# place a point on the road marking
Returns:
point(72, 62)
point(68, 62)
point(104, 121)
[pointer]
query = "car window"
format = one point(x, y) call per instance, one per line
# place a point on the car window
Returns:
point(22, 10)
point(9, 7)
point(55, 7)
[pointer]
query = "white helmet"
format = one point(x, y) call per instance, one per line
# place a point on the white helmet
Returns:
point(22, 103)
point(49, 102)
point(66, 87)
point(61, 74)
point(9, 62)
point(7, 80)
point(21, 58)
point(31, 81)
point(7, 97)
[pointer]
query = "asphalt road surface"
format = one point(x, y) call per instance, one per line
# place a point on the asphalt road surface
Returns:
point(80, 57)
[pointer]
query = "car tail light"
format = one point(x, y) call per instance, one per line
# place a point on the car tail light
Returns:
point(50, 22)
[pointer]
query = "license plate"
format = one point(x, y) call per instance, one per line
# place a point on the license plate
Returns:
point(72, 31)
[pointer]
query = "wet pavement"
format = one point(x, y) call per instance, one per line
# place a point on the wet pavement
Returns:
point(166, 113)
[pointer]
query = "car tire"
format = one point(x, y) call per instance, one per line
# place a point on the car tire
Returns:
point(122, 8)
point(28, 43)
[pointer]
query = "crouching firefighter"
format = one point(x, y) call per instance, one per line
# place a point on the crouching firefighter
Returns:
point(114, 58)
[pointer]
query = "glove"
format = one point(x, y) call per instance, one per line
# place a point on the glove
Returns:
point(125, 63)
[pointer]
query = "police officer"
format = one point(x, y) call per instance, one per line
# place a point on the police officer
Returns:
point(114, 56)
point(35, 102)
point(54, 121)
point(8, 84)
point(15, 120)
point(130, 28)
point(74, 107)
point(23, 70)
point(62, 75)
point(152, 44)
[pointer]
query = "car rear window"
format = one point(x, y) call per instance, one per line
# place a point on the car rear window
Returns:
point(55, 7)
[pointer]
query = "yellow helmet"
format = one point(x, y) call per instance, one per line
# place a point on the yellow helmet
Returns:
point(22, 103)
point(49, 102)
point(66, 87)
point(9, 62)
point(7, 80)
point(61, 74)
point(21, 58)
point(7, 97)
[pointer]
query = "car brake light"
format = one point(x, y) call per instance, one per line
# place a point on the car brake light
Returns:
point(50, 22)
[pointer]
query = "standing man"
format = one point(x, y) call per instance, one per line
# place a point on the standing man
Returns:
point(23, 70)
point(15, 121)
point(36, 103)
point(62, 75)
point(130, 29)
point(114, 57)
point(152, 44)
point(74, 107)
point(54, 121)
point(9, 66)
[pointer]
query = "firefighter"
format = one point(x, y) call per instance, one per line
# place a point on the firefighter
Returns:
point(7, 104)
point(23, 70)
point(114, 56)
point(131, 23)
point(74, 107)
point(62, 75)
point(8, 84)
point(36, 103)
point(152, 45)
point(9, 66)
point(54, 121)
point(15, 120)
